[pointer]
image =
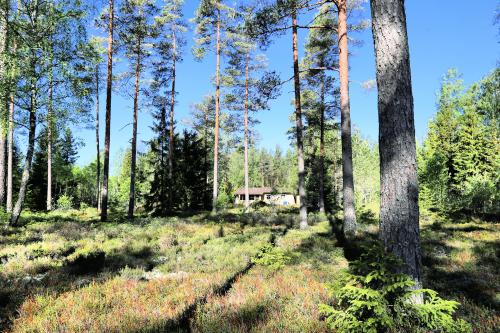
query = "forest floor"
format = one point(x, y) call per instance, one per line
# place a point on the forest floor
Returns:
point(231, 272)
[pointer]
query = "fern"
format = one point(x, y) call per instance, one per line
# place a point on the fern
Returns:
point(372, 297)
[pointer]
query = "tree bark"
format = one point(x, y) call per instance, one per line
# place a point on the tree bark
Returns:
point(298, 124)
point(49, 144)
point(399, 214)
point(345, 121)
point(3, 103)
point(247, 78)
point(322, 148)
point(10, 153)
point(105, 178)
point(171, 134)
point(10, 136)
point(97, 140)
point(133, 162)
point(16, 213)
point(217, 106)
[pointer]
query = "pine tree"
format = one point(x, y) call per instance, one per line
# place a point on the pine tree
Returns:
point(399, 211)
point(213, 18)
point(135, 27)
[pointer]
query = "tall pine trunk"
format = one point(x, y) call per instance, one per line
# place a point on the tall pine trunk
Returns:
point(345, 122)
point(322, 147)
point(217, 106)
point(105, 178)
point(399, 214)
point(10, 137)
point(50, 126)
point(3, 102)
point(10, 153)
point(16, 212)
point(133, 162)
point(298, 124)
point(49, 143)
point(97, 140)
point(171, 134)
point(247, 78)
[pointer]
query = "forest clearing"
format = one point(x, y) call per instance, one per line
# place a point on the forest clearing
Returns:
point(222, 166)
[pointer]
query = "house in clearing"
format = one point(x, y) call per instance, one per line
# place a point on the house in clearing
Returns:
point(267, 195)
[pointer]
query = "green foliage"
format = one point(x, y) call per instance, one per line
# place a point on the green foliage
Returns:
point(371, 297)
point(65, 202)
point(458, 162)
point(272, 257)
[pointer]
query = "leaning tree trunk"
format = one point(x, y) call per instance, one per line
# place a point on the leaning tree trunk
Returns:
point(133, 162)
point(97, 140)
point(105, 177)
point(399, 225)
point(217, 106)
point(49, 144)
point(298, 125)
point(345, 121)
point(16, 213)
point(247, 193)
point(171, 134)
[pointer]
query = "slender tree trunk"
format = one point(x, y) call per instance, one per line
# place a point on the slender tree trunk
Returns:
point(247, 78)
point(10, 136)
point(10, 153)
point(3, 103)
point(49, 144)
point(322, 148)
point(399, 215)
point(298, 125)
point(217, 106)
point(171, 141)
point(345, 121)
point(97, 140)
point(16, 213)
point(105, 178)
point(133, 162)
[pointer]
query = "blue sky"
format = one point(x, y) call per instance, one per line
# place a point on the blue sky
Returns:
point(442, 34)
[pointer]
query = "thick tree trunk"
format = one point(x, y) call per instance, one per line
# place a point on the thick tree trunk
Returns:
point(217, 106)
point(399, 224)
point(298, 125)
point(345, 121)
point(105, 178)
point(49, 145)
point(247, 78)
point(97, 140)
point(133, 162)
point(322, 148)
point(16, 213)
point(171, 134)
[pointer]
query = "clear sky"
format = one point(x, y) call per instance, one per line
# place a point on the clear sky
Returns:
point(442, 34)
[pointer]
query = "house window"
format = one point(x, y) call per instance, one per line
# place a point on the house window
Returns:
point(252, 197)
point(242, 197)
point(268, 196)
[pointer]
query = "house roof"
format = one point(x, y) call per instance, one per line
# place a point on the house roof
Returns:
point(254, 190)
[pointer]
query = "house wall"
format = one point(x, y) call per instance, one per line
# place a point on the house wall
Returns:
point(271, 199)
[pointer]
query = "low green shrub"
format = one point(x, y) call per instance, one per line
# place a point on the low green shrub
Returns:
point(372, 297)
point(272, 257)
point(64, 202)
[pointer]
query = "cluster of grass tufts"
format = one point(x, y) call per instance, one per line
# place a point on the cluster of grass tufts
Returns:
point(146, 273)
point(268, 299)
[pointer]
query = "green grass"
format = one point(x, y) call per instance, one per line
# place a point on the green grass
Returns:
point(67, 272)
